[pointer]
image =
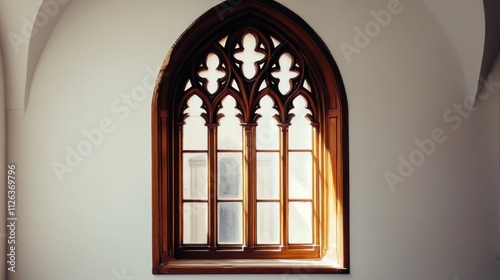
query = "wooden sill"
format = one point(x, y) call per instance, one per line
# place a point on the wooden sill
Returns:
point(270, 266)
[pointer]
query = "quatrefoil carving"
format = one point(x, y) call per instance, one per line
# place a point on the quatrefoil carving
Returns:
point(250, 56)
point(213, 73)
point(285, 73)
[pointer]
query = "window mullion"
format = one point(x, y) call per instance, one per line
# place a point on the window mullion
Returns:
point(250, 185)
point(212, 186)
point(284, 182)
point(319, 233)
point(178, 192)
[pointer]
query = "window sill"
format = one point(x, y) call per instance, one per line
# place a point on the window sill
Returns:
point(271, 266)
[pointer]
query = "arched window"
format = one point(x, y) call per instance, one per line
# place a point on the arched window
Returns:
point(250, 148)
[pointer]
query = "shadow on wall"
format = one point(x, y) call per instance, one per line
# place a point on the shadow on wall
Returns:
point(492, 38)
point(48, 15)
point(494, 75)
point(3, 156)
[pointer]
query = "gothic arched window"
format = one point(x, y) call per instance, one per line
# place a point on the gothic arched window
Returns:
point(250, 148)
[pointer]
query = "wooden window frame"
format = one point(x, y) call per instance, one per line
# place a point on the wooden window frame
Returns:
point(332, 195)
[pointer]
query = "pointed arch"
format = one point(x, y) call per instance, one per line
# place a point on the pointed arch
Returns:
point(277, 31)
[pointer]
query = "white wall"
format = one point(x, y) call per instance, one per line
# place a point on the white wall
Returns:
point(95, 223)
point(3, 151)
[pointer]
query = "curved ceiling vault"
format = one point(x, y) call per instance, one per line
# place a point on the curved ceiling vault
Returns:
point(40, 39)
point(51, 11)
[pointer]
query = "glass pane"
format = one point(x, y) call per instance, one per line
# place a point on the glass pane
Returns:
point(268, 222)
point(300, 175)
point(268, 175)
point(194, 129)
point(194, 177)
point(285, 73)
point(195, 223)
point(250, 55)
point(267, 126)
point(229, 130)
point(300, 131)
point(230, 186)
point(300, 223)
point(213, 73)
point(275, 42)
point(230, 223)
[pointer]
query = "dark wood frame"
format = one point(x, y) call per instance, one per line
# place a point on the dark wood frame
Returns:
point(332, 137)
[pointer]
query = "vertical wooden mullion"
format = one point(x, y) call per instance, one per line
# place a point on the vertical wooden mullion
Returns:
point(284, 183)
point(336, 192)
point(212, 186)
point(167, 240)
point(316, 198)
point(250, 186)
point(177, 192)
point(341, 205)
